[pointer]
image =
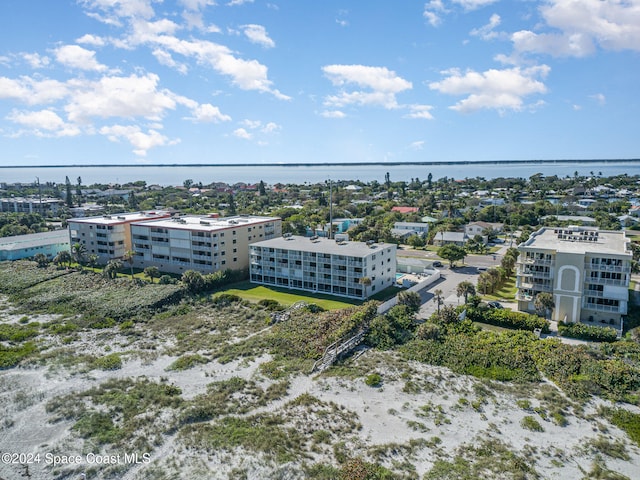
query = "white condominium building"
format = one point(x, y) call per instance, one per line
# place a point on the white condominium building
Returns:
point(204, 244)
point(585, 269)
point(107, 236)
point(336, 267)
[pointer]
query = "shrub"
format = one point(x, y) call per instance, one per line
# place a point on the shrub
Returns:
point(373, 380)
point(530, 423)
point(508, 319)
point(587, 332)
point(270, 304)
point(226, 299)
point(186, 362)
point(109, 362)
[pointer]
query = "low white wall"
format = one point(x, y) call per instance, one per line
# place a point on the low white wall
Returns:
point(389, 304)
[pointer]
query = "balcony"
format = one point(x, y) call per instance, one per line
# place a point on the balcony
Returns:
point(607, 268)
point(524, 297)
point(620, 309)
point(609, 281)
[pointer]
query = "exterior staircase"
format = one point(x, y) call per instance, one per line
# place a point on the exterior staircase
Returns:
point(337, 349)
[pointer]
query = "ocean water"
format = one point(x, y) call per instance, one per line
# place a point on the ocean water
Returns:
point(176, 174)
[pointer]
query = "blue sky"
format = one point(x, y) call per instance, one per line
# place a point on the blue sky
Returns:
point(251, 81)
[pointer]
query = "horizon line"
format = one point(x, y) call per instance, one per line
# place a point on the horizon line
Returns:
point(332, 164)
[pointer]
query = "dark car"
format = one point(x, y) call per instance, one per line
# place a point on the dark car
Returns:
point(495, 305)
point(437, 264)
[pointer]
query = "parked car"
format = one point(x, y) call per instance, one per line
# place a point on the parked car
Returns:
point(495, 304)
point(437, 264)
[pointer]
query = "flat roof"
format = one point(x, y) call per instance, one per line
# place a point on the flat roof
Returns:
point(608, 241)
point(117, 218)
point(18, 242)
point(200, 222)
point(323, 245)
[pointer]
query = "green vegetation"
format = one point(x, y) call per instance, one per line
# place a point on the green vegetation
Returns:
point(587, 332)
point(625, 420)
point(253, 293)
point(373, 380)
point(508, 319)
point(109, 362)
point(530, 423)
point(186, 362)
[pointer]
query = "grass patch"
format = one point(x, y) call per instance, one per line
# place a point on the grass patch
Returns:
point(255, 293)
point(506, 291)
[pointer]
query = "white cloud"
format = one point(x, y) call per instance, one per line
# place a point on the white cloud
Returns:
point(233, 3)
point(141, 141)
point(599, 97)
point(119, 8)
point(75, 56)
point(581, 25)
point(35, 60)
point(486, 32)
point(125, 97)
point(473, 4)
point(196, 4)
point(242, 133)
point(271, 127)
point(433, 12)
point(165, 58)
point(383, 83)
point(209, 113)
point(493, 89)
point(94, 40)
point(46, 120)
point(420, 111)
point(258, 34)
point(31, 91)
point(419, 145)
point(332, 114)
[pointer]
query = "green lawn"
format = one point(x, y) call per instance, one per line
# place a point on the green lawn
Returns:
point(506, 292)
point(255, 293)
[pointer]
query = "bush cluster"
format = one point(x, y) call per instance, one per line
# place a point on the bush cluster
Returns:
point(508, 319)
point(587, 332)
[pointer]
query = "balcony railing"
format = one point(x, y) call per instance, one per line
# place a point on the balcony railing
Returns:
point(524, 297)
point(621, 309)
point(607, 268)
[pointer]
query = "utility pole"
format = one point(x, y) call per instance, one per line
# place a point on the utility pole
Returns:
point(330, 209)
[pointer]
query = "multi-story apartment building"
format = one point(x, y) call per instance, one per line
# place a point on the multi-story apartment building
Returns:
point(43, 206)
point(585, 269)
point(349, 269)
point(108, 236)
point(204, 244)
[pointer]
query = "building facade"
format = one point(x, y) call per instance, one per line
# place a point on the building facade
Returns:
point(320, 265)
point(204, 244)
point(585, 269)
point(43, 206)
point(26, 246)
point(107, 236)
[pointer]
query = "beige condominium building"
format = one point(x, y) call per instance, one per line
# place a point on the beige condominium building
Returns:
point(336, 267)
point(585, 269)
point(205, 244)
point(107, 236)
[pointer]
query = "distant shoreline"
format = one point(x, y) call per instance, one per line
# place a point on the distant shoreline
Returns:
point(335, 164)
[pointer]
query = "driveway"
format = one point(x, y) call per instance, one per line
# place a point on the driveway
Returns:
point(448, 283)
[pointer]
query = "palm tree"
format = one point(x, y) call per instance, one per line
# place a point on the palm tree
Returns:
point(152, 272)
point(365, 282)
point(543, 303)
point(129, 257)
point(438, 295)
point(92, 260)
point(63, 257)
point(41, 259)
point(465, 288)
point(111, 269)
point(78, 250)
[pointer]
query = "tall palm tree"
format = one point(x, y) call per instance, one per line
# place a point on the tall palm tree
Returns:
point(78, 250)
point(63, 257)
point(111, 269)
point(543, 303)
point(365, 282)
point(129, 257)
point(465, 289)
point(438, 295)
